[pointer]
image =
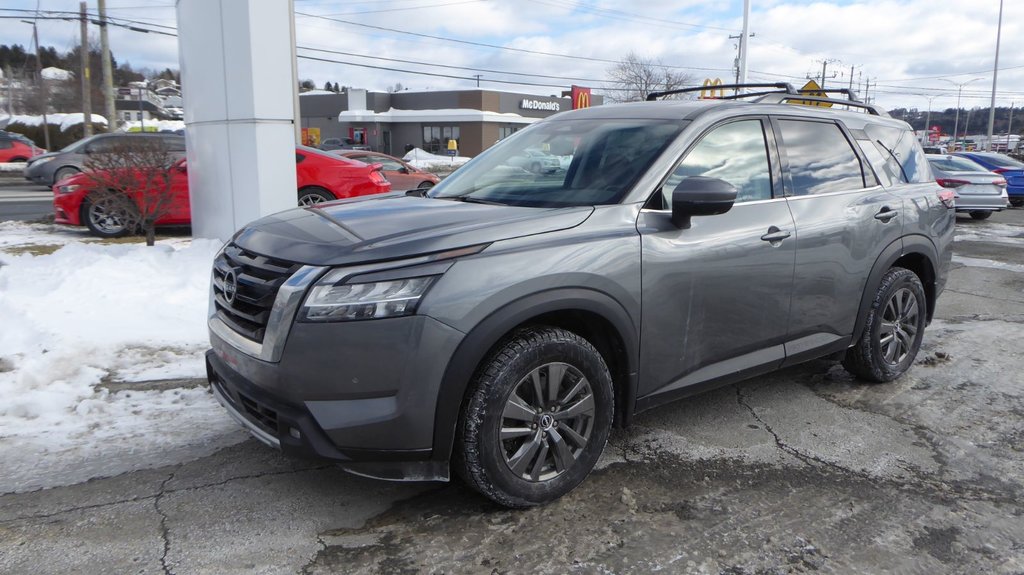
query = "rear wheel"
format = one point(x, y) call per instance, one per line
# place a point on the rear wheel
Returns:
point(311, 196)
point(537, 418)
point(425, 185)
point(980, 214)
point(1017, 203)
point(111, 216)
point(893, 330)
point(18, 160)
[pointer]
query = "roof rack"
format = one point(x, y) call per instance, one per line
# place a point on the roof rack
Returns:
point(782, 92)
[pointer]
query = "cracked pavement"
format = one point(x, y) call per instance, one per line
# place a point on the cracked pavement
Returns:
point(803, 470)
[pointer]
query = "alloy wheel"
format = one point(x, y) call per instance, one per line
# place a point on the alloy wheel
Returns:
point(547, 421)
point(899, 326)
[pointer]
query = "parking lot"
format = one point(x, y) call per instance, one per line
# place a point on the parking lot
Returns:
point(804, 470)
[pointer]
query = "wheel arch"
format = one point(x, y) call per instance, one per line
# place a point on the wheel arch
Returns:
point(915, 253)
point(593, 315)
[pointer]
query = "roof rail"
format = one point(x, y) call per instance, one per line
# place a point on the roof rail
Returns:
point(778, 85)
point(782, 92)
point(779, 98)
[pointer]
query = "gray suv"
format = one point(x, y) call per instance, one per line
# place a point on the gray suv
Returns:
point(501, 323)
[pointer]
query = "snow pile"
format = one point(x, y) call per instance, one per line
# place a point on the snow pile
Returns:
point(57, 74)
point(424, 160)
point(77, 323)
point(65, 121)
point(153, 126)
point(12, 166)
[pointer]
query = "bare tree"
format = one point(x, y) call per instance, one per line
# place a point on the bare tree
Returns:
point(132, 186)
point(634, 77)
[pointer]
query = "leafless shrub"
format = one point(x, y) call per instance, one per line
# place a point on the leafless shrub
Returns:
point(131, 182)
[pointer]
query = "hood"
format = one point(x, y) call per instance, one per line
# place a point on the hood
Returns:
point(33, 159)
point(394, 226)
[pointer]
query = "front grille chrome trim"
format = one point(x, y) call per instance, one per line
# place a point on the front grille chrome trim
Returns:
point(278, 324)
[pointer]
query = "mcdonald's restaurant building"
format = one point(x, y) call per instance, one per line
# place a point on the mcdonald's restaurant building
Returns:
point(394, 123)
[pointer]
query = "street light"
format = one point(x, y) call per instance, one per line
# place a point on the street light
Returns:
point(995, 75)
point(959, 89)
point(928, 116)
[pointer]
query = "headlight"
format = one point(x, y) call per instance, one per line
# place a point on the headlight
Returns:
point(69, 188)
point(328, 301)
point(40, 161)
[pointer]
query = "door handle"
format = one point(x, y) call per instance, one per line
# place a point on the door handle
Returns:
point(886, 214)
point(775, 235)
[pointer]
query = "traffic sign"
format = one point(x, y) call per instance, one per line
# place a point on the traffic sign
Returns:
point(811, 88)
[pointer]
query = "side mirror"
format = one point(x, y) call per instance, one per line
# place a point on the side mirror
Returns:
point(700, 196)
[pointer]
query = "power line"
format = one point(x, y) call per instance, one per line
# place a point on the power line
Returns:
point(619, 15)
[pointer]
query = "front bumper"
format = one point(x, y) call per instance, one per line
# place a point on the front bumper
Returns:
point(362, 394)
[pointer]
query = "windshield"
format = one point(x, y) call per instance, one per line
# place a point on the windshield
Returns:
point(562, 163)
point(73, 146)
point(955, 164)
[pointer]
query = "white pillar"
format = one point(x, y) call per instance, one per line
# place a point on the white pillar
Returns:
point(236, 75)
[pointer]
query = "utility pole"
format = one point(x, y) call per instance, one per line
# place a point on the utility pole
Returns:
point(42, 83)
point(477, 76)
point(851, 77)
point(108, 74)
point(744, 38)
point(1009, 127)
point(995, 74)
point(10, 90)
point(84, 75)
point(824, 66)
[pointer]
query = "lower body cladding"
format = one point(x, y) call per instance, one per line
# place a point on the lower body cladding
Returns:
point(362, 394)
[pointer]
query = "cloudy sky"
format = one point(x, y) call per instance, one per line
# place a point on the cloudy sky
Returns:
point(916, 50)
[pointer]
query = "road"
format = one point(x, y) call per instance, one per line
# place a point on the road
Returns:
point(803, 470)
point(21, 200)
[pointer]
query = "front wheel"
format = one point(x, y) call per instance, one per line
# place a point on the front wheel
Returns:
point(312, 196)
point(893, 330)
point(980, 214)
point(537, 418)
point(65, 172)
point(109, 215)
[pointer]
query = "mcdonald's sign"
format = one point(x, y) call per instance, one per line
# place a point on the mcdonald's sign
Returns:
point(711, 89)
point(580, 97)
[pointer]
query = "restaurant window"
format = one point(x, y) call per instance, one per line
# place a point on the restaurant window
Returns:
point(435, 138)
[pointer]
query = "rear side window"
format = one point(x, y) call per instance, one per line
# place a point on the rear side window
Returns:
point(902, 151)
point(1003, 161)
point(821, 159)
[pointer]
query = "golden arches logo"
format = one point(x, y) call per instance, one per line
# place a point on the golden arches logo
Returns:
point(580, 97)
point(711, 89)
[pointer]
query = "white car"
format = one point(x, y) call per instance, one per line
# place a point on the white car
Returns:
point(979, 192)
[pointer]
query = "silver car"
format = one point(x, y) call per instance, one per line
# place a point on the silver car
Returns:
point(979, 192)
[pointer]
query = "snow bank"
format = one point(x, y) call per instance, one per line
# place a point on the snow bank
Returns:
point(154, 126)
point(86, 315)
point(65, 121)
point(424, 160)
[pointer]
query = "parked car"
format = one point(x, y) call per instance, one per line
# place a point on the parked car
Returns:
point(342, 144)
point(498, 325)
point(934, 149)
point(15, 147)
point(402, 175)
point(321, 177)
point(535, 161)
point(1010, 169)
point(47, 169)
point(979, 192)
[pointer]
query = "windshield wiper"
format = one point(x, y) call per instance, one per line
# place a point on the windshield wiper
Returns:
point(471, 200)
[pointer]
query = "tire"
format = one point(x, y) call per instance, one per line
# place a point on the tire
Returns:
point(312, 196)
point(65, 172)
point(1018, 203)
point(425, 185)
point(18, 160)
point(112, 217)
point(885, 352)
point(524, 467)
point(980, 214)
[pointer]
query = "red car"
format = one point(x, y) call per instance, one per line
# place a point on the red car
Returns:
point(17, 148)
point(321, 176)
point(402, 175)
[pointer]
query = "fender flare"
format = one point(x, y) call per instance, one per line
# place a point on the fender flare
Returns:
point(477, 344)
point(913, 244)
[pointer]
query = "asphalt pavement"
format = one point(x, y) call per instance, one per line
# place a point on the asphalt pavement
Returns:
point(804, 470)
point(23, 201)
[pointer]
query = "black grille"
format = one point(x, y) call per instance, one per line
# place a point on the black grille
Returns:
point(257, 279)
